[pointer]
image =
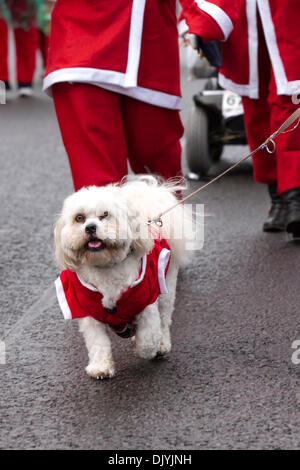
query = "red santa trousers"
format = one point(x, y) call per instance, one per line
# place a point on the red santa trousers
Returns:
point(26, 47)
point(3, 51)
point(264, 116)
point(102, 130)
point(44, 46)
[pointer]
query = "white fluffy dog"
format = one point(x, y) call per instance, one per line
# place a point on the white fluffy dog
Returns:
point(103, 238)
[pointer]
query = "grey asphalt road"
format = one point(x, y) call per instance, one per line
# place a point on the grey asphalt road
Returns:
point(229, 381)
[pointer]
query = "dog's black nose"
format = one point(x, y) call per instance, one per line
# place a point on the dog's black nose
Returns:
point(91, 229)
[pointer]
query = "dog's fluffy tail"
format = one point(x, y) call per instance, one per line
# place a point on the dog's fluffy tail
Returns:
point(152, 196)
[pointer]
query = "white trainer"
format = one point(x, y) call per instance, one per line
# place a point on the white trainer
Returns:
point(25, 92)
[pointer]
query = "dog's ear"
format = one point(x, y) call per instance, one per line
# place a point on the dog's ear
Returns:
point(63, 260)
point(59, 254)
point(142, 242)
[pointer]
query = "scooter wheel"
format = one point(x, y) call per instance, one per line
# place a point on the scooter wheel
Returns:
point(198, 155)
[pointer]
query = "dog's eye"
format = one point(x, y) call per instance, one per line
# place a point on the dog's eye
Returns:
point(105, 214)
point(80, 218)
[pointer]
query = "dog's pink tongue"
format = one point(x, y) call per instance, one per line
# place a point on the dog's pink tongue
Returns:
point(95, 244)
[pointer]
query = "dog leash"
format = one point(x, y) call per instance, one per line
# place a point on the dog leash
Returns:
point(269, 145)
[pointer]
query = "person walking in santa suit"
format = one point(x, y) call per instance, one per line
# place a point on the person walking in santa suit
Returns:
point(261, 62)
point(3, 50)
point(113, 72)
point(21, 14)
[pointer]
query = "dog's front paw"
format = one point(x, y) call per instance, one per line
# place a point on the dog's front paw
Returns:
point(164, 348)
point(148, 334)
point(165, 345)
point(146, 349)
point(98, 370)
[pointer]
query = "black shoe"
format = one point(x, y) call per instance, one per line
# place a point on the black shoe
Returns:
point(292, 201)
point(276, 221)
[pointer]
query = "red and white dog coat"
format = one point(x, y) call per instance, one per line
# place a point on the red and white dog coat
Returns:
point(78, 299)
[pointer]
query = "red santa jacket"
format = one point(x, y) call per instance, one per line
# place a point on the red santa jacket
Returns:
point(130, 47)
point(78, 299)
point(235, 21)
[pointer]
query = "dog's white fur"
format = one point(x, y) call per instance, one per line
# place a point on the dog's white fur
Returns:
point(112, 270)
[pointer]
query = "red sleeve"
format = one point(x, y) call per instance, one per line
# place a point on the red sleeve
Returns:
point(211, 20)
